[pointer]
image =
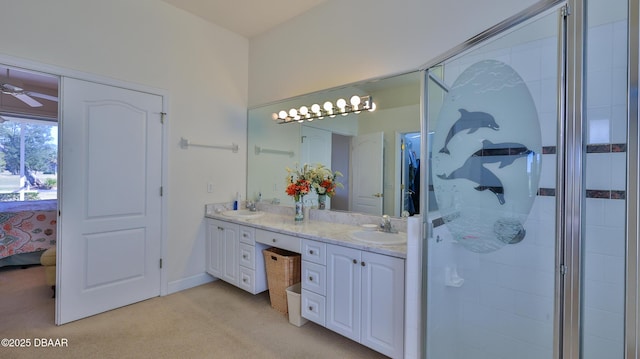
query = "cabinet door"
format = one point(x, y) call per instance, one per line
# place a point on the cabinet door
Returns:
point(230, 250)
point(343, 291)
point(222, 250)
point(214, 248)
point(383, 304)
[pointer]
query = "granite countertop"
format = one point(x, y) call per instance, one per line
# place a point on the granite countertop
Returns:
point(328, 232)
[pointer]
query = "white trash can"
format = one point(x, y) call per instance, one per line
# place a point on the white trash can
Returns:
point(293, 305)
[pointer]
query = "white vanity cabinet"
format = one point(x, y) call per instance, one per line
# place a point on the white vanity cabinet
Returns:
point(234, 256)
point(358, 294)
point(222, 247)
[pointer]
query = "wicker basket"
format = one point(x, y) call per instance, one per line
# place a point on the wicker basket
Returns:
point(283, 271)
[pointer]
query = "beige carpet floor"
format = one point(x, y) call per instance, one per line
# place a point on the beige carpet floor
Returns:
point(215, 320)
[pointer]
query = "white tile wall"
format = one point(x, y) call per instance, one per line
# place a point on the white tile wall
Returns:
point(598, 169)
point(618, 124)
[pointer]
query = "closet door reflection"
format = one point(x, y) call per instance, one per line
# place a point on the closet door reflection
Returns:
point(493, 117)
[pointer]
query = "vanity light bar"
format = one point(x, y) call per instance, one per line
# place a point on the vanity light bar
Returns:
point(328, 109)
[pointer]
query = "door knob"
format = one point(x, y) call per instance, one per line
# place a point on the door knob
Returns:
point(379, 195)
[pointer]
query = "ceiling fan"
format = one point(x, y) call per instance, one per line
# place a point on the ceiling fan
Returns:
point(24, 95)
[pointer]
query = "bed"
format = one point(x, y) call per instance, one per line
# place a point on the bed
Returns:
point(26, 230)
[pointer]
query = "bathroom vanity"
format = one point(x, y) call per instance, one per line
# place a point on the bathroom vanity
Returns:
point(351, 287)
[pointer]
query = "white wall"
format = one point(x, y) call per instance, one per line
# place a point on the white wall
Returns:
point(203, 68)
point(345, 41)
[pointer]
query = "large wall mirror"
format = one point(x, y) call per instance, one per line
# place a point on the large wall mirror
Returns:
point(378, 152)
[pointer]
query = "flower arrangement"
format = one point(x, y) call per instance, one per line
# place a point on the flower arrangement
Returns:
point(319, 178)
point(323, 180)
point(298, 182)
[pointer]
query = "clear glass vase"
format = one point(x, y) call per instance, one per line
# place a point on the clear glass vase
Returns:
point(322, 201)
point(299, 216)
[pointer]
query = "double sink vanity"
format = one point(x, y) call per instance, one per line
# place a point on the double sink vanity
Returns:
point(353, 274)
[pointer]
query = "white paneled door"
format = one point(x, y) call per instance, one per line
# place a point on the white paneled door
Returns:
point(367, 157)
point(110, 223)
point(316, 149)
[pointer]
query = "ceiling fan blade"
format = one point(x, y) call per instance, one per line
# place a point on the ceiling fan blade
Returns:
point(26, 99)
point(11, 88)
point(42, 96)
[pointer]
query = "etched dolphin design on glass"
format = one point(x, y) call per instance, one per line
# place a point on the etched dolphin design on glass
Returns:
point(504, 153)
point(471, 121)
point(474, 171)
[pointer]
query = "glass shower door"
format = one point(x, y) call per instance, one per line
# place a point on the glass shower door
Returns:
point(491, 256)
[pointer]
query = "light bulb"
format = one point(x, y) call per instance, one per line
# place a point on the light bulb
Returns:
point(293, 112)
point(304, 110)
point(328, 106)
point(315, 108)
point(282, 114)
point(341, 103)
point(274, 116)
point(355, 100)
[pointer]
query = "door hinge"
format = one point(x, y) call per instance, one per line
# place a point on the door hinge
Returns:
point(161, 191)
point(162, 116)
point(566, 11)
point(160, 262)
point(302, 139)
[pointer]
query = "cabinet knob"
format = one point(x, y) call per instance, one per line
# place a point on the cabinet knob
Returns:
point(311, 251)
point(245, 256)
point(245, 235)
point(220, 228)
point(355, 261)
point(244, 280)
point(310, 279)
point(310, 308)
point(362, 264)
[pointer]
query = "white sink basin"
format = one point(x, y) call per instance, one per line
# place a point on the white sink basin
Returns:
point(243, 213)
point(377, 237)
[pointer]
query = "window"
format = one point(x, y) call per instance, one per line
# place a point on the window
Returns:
point(28, 159)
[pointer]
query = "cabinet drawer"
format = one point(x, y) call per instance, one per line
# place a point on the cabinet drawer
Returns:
point(314, 277)
point(315, 252)
point(279, 240)
point(247, 235)
point(247, 256)
point(313, 307)
point(247, 279)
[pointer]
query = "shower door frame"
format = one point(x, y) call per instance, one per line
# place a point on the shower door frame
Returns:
point(632, 280)
point(569, 179)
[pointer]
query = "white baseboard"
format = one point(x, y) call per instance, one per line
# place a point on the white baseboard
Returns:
point(190, 282)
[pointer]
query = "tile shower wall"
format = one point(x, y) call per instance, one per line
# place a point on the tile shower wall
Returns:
point(505, 307)
point(605, 212)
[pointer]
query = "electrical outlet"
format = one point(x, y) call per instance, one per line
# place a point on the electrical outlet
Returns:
point(210, 187)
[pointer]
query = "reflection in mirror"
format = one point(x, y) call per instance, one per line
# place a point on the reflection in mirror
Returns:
point(378, 152)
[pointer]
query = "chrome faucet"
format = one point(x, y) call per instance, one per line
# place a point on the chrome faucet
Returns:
point(251, 206)
point(386, 225)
